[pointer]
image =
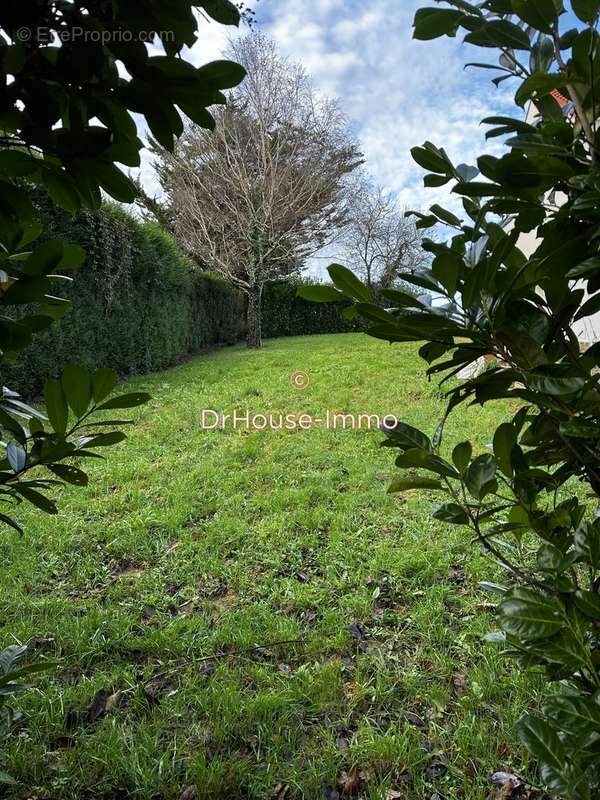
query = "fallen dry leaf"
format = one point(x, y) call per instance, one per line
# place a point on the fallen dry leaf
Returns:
point(148, 612)
point(103, 701)
point(459, 682)
point(507, 785)
point(435, 770)
point(351, 783)
point(206, 670)
point(97, 707)
point(415, 719)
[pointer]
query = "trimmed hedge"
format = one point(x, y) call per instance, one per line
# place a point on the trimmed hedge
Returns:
point(285, 314)
point(138, 305)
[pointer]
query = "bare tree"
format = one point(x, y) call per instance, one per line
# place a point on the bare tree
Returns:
point(380, 242)
point(267, 188)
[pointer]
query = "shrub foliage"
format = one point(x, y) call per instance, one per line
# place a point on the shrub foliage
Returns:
point(51, 137)
point(532, 499)
point(137, 304)
point(285, 313)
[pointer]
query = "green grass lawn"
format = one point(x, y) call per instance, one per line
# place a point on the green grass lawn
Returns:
point(156, 585)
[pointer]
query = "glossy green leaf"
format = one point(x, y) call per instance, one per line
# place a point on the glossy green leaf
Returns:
point(17, 456)
point(579, 429)
point(540, 83)
point(444, 215)
point(461, 455)
point(62, 189)
point(320, 294)
point(113, 181)
point(77, 388)
point(430, 160)
point(44, 259)
point(587, 543)
point(589, 604)
point(222, 11)
point(541, 741)
point(125, 401)
point(505, 439)
point(103, 439)
point(541, 14)
point(527, 614)
point(447, 268)
point(401, 484)
point(586, 10)
point(587, 268)
point(56, 406)
point(556, 386)
point(224, 74)
point(499, 33)
point(575, 715)
point(409, 437)
point(73, 256)
point(480, 474)
point(431, 23)
point(452, 513)
point(347, 282)
point(70, 474)
point(103, 382)
point(37, 499)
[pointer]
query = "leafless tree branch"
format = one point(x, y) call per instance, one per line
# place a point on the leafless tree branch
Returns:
point(269, 186)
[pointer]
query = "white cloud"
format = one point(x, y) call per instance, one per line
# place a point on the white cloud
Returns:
point(396, 92)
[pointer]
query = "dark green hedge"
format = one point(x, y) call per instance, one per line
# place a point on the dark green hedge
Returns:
point(285, 314)
point(138, 305)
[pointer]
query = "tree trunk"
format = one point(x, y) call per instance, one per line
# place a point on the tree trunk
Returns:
point(254, 318)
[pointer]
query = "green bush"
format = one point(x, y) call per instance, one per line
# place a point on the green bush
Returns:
point(138, 305)
point(532, 499)
point(286, 314)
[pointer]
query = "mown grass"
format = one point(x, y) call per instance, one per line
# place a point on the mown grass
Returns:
point(191, 544)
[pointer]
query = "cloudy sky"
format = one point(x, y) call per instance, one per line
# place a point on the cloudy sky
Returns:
point(396, 92)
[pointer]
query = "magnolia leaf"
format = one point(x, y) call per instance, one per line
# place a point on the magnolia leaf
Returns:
point(347, 282)
point(461, 455)
point(103, 382)
point(56, 406)
point(479, 475)
point(320, 294)
point(452, 513)
point(77, 389)
point(542, 741)
point(125, 401)
point(401, 484)
point(540, 14)
point(431, 23)
point(586, 10)
point(505, 439)
point(528, 614)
